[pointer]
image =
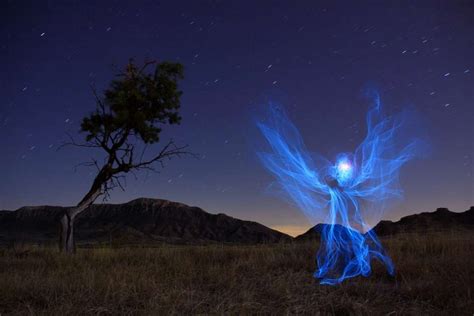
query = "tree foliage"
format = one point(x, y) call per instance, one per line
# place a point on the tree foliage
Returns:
point(135, 103)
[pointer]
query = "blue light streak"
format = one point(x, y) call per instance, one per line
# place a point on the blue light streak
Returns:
point(348, 193)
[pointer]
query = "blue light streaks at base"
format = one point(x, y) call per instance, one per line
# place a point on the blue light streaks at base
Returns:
point(348, 193)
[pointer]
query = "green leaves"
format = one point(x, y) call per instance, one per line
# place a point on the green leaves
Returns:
point(137, 103)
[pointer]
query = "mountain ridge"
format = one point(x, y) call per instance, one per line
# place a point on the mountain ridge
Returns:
point(140, 220)
point(441, 219)
point(148, 220)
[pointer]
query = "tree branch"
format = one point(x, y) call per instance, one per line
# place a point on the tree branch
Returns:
point(72, 142)
point(169, 151)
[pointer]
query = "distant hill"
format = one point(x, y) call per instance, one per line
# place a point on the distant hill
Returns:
point(440, 220)
point(139, 221)
point(146, 221)
point(314, 233)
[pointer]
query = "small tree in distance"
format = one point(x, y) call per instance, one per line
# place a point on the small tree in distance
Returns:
point(128, 118)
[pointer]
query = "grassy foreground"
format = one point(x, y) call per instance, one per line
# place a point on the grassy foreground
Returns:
point(435, 275)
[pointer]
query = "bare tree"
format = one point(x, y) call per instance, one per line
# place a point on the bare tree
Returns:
point(128, 118)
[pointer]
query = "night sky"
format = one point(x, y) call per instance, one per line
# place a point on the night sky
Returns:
point(314, 57)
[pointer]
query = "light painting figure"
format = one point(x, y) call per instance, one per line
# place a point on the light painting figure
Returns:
point(349, 193)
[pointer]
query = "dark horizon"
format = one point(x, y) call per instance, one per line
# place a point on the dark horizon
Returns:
point(315, 59)
point(292, 231)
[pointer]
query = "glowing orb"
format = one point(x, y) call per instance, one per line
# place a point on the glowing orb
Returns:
point(344, 170)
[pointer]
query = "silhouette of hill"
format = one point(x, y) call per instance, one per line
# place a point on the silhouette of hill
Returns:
point(144, 221)
point(138, 221)
point(314, 233)
point(438, 221)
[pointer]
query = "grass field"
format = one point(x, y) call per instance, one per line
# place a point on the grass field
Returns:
point(435, 275)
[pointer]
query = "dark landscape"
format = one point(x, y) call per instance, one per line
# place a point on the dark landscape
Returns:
point(160, 257)
point(311, 123)
point(146, 221)
point(141, 221)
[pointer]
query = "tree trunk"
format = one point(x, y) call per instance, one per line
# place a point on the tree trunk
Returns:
point(66, 238)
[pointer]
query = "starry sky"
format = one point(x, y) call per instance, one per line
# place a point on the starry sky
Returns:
point(315, 57)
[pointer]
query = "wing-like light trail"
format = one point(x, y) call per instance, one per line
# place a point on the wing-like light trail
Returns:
point(347, 193)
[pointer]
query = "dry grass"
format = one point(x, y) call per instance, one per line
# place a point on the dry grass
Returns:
point(435, 275)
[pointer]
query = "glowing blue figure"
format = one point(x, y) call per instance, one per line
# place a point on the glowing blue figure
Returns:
point(349, 194)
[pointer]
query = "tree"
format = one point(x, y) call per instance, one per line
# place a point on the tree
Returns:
point(128, 118)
